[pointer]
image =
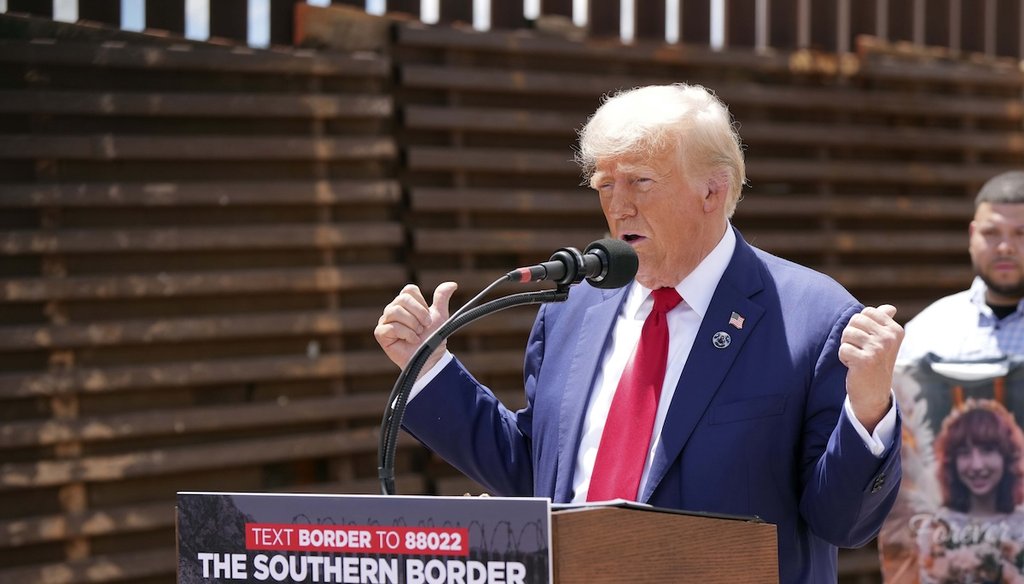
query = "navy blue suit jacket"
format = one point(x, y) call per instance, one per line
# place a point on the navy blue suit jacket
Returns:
point(756, 428)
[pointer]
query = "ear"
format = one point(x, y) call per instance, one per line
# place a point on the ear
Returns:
point(717, 191)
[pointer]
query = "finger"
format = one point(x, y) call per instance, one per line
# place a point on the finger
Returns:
point(402, 308)
point(855, 336)
point(442, 295)
point(413, 291)
point(882, 315)
point(411, 300)
point(849, 354)
point(865, 321)
point(391, 333)
point(410, 315)
point(865, 333)
point(872, 320)
point(888, 309)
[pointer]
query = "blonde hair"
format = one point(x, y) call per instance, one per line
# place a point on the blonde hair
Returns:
point(688, 120)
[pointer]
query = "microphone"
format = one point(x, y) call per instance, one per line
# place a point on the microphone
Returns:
point(606, 263)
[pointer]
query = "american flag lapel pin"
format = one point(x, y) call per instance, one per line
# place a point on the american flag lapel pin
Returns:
point(736, 320)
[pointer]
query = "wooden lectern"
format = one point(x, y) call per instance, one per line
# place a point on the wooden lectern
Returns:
point(636, 545)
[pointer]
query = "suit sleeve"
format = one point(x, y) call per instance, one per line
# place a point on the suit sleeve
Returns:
point(464, 422)
point(847, 490)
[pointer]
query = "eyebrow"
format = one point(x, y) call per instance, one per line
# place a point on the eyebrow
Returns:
point(629, 169)
point(596, 178)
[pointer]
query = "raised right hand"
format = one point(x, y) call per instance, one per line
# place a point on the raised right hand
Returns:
point(408, 321)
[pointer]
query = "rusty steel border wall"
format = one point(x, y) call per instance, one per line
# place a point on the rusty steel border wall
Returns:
point(196, 240)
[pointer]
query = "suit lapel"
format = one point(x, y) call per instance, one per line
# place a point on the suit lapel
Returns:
point(707, 365)
point(590, 342)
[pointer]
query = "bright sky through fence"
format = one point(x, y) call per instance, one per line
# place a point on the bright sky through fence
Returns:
point(259, 23)
point(133, 14)
point(197, 19)
point(65, 10)
point(197, 16)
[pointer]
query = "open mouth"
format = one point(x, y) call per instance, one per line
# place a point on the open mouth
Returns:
point(631, 237)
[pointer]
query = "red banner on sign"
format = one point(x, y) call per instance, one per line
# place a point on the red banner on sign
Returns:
point(365, 539)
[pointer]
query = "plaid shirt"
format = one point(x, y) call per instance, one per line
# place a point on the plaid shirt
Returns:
point(961, 327)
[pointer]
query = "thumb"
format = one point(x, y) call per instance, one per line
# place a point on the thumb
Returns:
point(442, 294)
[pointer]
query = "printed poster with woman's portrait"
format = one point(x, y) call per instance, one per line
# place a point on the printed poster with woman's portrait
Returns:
point(959, 517)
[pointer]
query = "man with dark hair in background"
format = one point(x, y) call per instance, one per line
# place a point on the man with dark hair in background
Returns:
point(955, 380)
point(985, 321)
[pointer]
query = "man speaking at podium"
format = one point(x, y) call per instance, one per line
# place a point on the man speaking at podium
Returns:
point(723, 379)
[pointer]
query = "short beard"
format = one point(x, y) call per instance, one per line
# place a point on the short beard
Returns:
point(1007, 291)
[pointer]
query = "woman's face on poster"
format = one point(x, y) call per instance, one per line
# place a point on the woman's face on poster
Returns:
point(980, 468)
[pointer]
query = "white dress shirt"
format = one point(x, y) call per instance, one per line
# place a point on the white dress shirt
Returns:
point(684, 321)
point(962, 327)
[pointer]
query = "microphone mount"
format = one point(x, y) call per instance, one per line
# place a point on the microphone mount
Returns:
point(606, 263)
point(399, 397)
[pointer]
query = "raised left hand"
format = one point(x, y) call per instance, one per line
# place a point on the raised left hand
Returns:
point(869, 346)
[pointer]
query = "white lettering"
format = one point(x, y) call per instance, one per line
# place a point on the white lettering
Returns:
point(226, 566)
point(388, 570)
point(315, 563)
point(260, 564)
point(477, 573)
point(414, 571)
point(456, 572)
point(334, 538)
point(463, 572)
point(496, 572)
point(516, 573)
point(332, 569)
point(942, 532)
point(351, 569)
point(278, 568)
point(435, 572)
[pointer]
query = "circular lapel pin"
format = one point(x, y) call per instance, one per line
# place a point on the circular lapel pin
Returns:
point(721, 340)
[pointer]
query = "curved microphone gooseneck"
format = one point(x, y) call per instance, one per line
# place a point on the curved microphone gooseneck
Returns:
point(607, 263)
point(400, 393)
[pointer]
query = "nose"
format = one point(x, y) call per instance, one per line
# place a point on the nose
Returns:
point(976, 460)
point(1006, 246)
point(619, 202)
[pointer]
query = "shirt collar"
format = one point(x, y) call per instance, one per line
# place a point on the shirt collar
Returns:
point(696, 289)
point(977, 292)
point(977, 296)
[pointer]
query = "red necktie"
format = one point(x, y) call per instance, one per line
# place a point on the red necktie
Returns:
point(627, 433)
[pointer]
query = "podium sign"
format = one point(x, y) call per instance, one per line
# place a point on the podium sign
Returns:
point(342, 539)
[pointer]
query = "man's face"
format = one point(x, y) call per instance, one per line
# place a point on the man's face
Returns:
point(669, 219)
point(996, 246)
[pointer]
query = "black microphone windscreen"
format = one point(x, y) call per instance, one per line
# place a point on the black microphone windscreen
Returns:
point(622, 263)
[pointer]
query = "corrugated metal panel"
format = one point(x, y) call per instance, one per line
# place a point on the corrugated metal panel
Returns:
point(194, 243)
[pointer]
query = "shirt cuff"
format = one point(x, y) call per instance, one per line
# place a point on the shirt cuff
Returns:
point(429, 376)
point(881, 439)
